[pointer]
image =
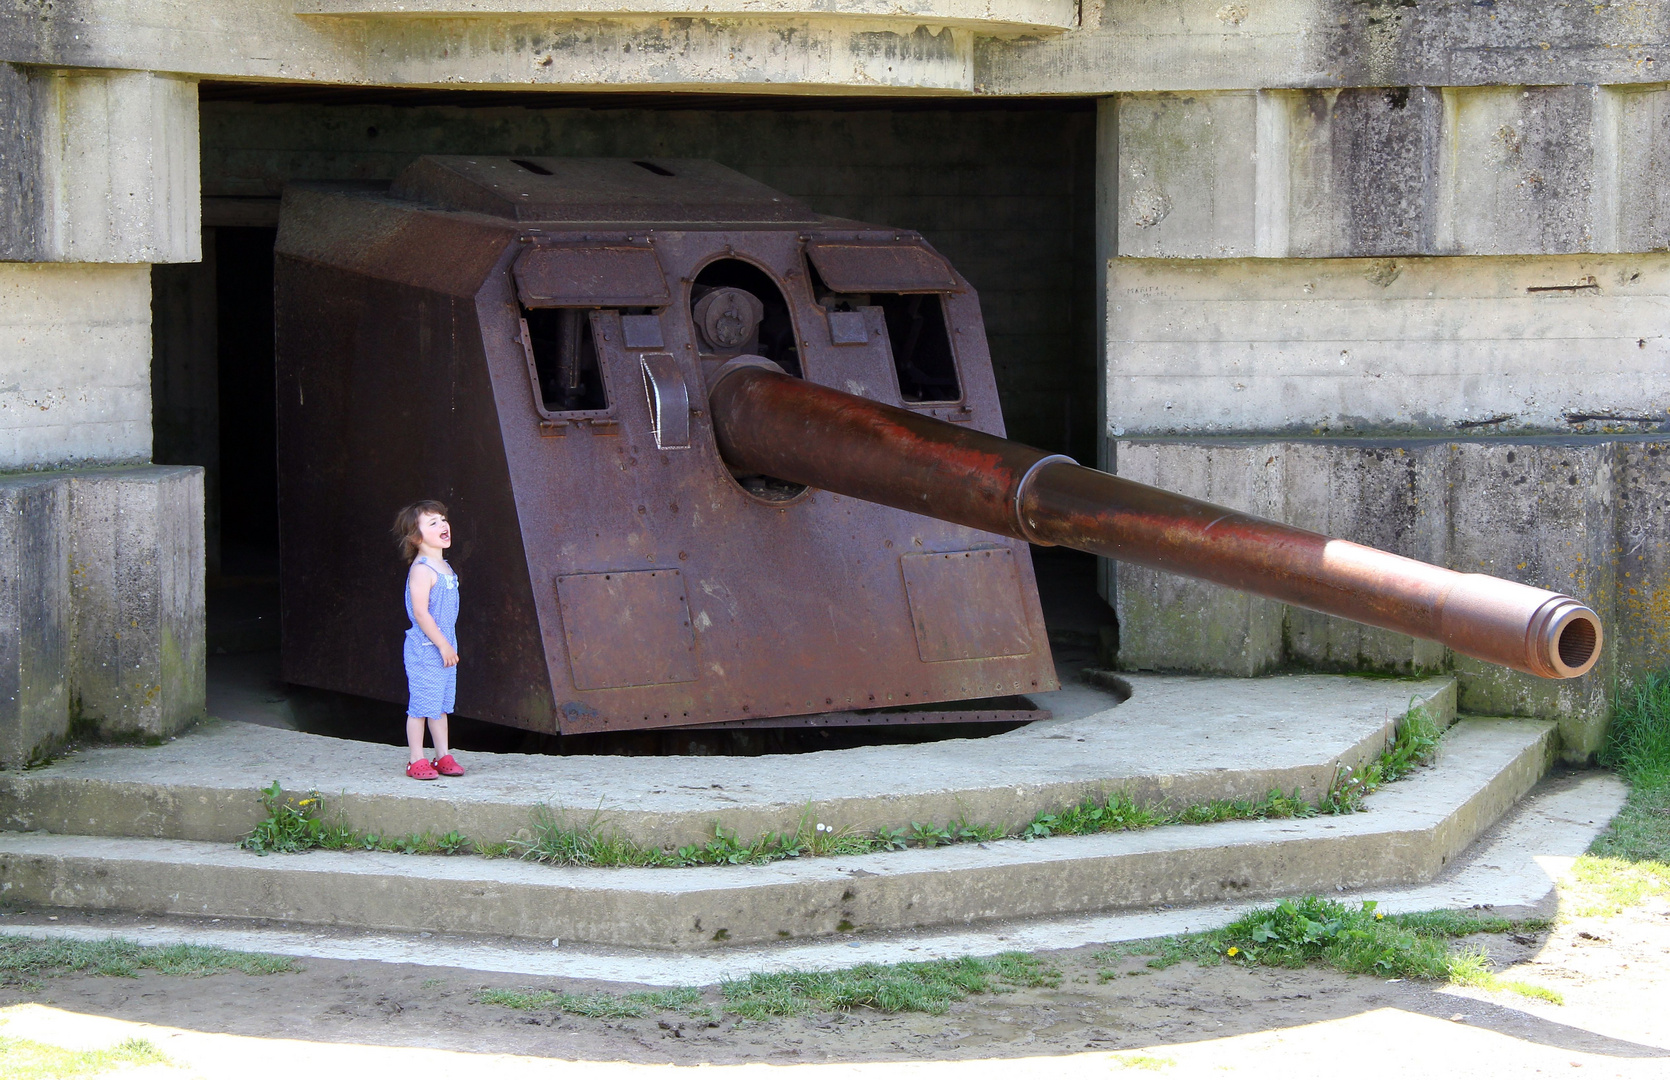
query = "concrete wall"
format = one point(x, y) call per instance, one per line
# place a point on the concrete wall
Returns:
point(101, 606)
point(1483, 170)
point(921, 46)
point(1477, 269)
point(101, 167)
point(75, 350)
point(1316, 346)
point(1005, 193)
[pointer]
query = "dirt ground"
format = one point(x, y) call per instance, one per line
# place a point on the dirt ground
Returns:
point(1614, 974)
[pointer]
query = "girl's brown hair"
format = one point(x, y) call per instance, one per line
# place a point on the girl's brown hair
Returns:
point(406, 525)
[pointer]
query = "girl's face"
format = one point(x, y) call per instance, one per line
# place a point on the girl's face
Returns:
point(434, 531)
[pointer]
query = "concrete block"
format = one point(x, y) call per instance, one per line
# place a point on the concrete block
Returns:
point(1642, 160)
point(1191, 45)
point(1171, 623)
point(1541, 514)
point(1389, 497)
point(103, 167)
point(1518, 171)
point(1187, 165)
point(34, 617)
point(1361, 170)
point(1640, 629)
point(75, 352)
point(1399, 171)
point(136, 582)
point(1346, 346)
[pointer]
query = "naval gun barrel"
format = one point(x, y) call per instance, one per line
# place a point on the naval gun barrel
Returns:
point(767, 422)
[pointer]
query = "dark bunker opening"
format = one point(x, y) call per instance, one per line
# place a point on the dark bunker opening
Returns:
point(1003, 189)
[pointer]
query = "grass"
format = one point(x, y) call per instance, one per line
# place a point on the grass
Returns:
point(1473, 969)
point(24, 960)
point(23, 1059)
point(1629, 863)
point(299, 823)
point(1361, 940)
point(600, 1005)
point(929, 986)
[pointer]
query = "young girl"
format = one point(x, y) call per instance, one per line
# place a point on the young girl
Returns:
point(432, 640)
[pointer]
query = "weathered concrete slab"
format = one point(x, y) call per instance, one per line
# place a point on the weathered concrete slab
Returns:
point(1394, 171)
point(75, 353)
point(1414, 829)
point(102, 167)
point(1347, 346)
point(137, 591)
point(1180, 740)
point(1207, 44)
point(101, 605)
point(35, 635)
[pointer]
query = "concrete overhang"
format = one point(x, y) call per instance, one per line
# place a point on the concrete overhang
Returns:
point(996, 16)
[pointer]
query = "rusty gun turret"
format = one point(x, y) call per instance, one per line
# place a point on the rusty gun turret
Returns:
point(660, 532)
point(769, 423)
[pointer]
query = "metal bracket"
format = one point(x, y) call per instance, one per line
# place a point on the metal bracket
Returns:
point(669, 401)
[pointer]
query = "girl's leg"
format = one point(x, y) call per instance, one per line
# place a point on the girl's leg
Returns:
point(437, 735)
point(414, 736)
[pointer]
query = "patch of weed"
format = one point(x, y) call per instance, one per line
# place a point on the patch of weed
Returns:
point(562, 842)
point(1638, 742)
point(926, 986)
point(1472, 968)
point(600, 1005)
point(24, 1059)
point(298, 823)
point(1629, 863)
point(1602, 887)
point(23, 960)
point(1415, 743)
point(1313, 930)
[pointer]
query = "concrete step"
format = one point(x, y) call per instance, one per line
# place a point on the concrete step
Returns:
point(1178, 739)
point(1412, 829)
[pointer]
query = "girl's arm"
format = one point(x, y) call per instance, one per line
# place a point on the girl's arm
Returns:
point(420, 584)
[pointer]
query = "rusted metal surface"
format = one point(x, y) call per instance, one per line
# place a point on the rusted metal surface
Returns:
point(591, 275)
point(768, 422)
point(851, 719)
point(405, 372)
point(898, 265)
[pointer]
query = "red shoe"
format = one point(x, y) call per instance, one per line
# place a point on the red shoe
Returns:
point(421, 770)
point(447, 767)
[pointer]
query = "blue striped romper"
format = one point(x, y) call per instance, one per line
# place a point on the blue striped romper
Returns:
point(433, 685)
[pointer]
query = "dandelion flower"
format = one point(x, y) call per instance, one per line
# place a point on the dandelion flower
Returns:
point(1233, 951)
point(304, 802)
point(1379, 914)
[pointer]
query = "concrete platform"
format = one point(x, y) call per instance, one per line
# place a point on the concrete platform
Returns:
point(1413, 830)
point(1512, 868)
point(1178, 739)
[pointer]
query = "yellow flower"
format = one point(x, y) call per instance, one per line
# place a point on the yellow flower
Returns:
point(304, 802)
point(1379, 914)
point(1233, 951)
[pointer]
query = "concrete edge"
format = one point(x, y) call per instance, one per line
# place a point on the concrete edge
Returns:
point(41, 801)
point(1411, 842)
